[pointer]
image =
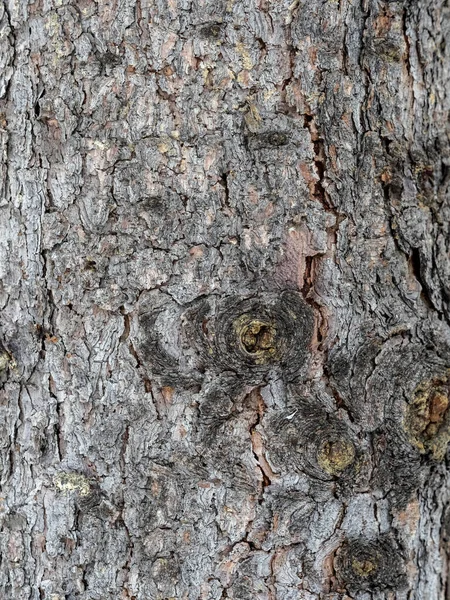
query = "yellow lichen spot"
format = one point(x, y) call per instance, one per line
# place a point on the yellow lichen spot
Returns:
point(427, 419)
point(101, 145)
point(59, 44)
point(269, 95)
point(52, 24)
point(363, 568)
point(4, 360)
point(7, 361)
point(335, 456)
point(252, 118)
point(163, 147)
point(166, 145)
point(243, 78)
point(245, 56)
point(72, 482)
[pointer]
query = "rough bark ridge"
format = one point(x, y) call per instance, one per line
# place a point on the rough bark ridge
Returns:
point(225, 299)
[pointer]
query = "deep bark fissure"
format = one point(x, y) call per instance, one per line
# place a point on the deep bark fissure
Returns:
point(259, 414)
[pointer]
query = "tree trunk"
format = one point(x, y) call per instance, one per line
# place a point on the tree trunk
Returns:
point(225, 360)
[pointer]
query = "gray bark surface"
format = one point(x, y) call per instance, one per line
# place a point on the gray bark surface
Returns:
point(225, 299)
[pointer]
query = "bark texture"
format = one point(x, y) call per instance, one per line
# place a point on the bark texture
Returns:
point(225, 299)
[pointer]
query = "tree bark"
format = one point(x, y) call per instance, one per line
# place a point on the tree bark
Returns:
point(225, 297)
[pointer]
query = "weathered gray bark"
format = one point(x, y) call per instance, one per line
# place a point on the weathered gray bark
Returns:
point(225, 299)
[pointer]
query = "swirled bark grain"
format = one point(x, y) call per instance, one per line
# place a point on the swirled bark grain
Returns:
point(225, 299)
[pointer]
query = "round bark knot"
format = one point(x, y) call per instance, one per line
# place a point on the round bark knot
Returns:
point(363, 568)
point(335, 455)
point(277, 138)
point(257, 338)
point(253, 335)
point(369, 565)
point(317, 444)
point(212, 30)
point(427, 420)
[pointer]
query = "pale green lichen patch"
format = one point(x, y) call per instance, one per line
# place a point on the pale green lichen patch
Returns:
point(427, 419)
point(4, 360)
point(72, 482)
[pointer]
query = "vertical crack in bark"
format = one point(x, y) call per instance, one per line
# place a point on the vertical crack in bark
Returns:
point(50, 306)
point(416, 270)
point(57, 426)
point(126, 328)
point(120, 519)
point(366, 81)
point(407, 58)
point(13, 46)
point(308, 276)
point(125, 337)
point(14, 447)
point(345, 56)
point(83, 577)
point(257, 444)
point(318, 145)
point(318, 194)
point(321, 196)
point(258, 405)
point(224, 183)
point(413, 256)
point(59, 430)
